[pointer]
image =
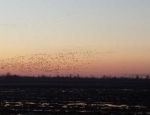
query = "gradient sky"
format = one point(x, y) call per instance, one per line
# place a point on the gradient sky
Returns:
point(48, 26)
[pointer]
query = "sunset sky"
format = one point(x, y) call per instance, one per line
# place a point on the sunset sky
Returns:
point(118, 29)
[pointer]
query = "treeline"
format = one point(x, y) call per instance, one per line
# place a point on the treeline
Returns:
point(70, 77)
point(77, 81)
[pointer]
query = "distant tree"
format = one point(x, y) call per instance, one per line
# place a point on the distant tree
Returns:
point(58, 76)
point(78, 76)
point(8, 74)
point(147, 77)
point(114, 77)
point(104, 77)
point(43, 76)
point(70, 75)
point(137, 77)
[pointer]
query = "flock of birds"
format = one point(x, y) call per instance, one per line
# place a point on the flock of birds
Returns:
point(60, 63)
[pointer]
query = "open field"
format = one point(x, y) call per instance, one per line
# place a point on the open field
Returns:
point(76, 96)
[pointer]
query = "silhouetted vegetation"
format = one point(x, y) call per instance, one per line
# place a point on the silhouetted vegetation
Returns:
point(71, 77)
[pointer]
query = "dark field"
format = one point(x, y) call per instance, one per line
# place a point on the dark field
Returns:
point(74, 96)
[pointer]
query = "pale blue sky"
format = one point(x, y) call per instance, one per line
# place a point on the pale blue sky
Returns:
point(71, 16)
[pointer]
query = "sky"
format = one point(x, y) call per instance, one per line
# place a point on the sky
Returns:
point(117, 29)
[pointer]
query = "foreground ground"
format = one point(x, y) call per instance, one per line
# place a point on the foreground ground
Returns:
point(74, 96)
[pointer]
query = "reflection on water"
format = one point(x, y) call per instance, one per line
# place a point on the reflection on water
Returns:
point(70, 105)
